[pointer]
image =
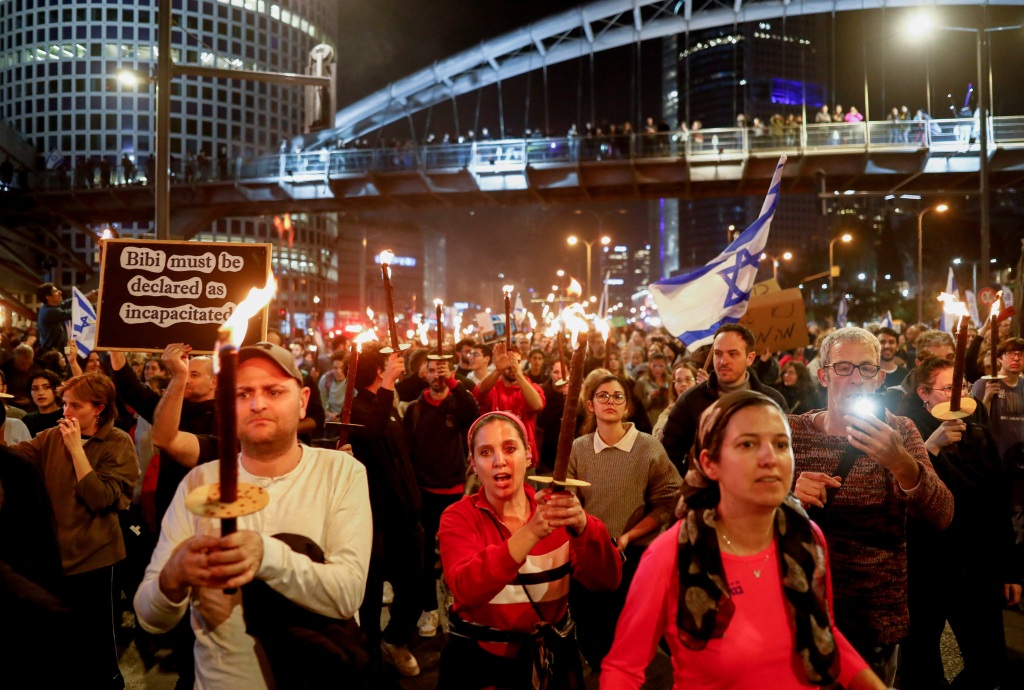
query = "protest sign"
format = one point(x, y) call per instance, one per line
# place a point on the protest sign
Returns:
point(777, 320)
point(155, 292)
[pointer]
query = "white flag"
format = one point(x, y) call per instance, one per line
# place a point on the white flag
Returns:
point(972, 306)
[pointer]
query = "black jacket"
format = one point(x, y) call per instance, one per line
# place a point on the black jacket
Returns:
point(196, 418)
point(981, 535)
point(681, 427)
point(380, 445)
point(436, 437)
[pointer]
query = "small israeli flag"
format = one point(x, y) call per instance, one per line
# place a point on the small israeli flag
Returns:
point(83, 323)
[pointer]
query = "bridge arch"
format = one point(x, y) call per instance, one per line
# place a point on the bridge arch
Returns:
point(571, 35)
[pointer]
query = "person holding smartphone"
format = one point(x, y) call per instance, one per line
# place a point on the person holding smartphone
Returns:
point(888, 478)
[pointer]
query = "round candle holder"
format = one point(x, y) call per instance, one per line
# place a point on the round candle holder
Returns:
point(436, 357)
point(204, 501)
point(558, 482)
point(967, 408)
point(990, 377)
point(346, 425)
point(388, 350)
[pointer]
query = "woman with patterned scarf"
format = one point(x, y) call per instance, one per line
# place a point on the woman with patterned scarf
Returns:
point(740, 586)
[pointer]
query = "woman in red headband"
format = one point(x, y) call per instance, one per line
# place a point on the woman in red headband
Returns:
point(508, 554)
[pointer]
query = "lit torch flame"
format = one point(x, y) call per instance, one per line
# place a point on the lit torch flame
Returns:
point(366, 336)
point(233, 330)
point(997, 306)
point(574, 289)
point(508, 289)
point(386, 257)
point(369, 314)
point(421, 330)
point(951, 304)
point(575, 319)
point(603, 327)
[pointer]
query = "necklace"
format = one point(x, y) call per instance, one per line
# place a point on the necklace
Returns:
point(757, 572)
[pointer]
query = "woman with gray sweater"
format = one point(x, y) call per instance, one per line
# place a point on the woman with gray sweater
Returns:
point(633, 487)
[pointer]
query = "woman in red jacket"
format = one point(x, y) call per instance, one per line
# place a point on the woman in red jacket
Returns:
point(740, 586)
point(508, 554)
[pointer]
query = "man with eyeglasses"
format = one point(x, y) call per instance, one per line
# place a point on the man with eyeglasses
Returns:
point(480, 363)
point(888, 478)
point(1004, 400)
point(464, 362)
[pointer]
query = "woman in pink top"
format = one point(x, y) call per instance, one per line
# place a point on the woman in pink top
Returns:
point(739, 587)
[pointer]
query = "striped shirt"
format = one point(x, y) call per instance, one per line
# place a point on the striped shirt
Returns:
point(490, 587)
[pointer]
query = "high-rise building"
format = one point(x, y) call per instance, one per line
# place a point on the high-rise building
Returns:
point(755, 69)
point(60, 92)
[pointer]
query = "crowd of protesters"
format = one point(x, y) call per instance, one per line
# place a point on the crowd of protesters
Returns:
point(914, 517)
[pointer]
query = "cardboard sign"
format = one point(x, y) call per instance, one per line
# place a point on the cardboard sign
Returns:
point(764, 287)
point(777, 320)
point(155, 292)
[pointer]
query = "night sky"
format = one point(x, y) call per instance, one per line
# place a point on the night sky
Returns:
point(385, 40)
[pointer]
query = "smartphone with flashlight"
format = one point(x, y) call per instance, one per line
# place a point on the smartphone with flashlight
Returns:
point(869, 404)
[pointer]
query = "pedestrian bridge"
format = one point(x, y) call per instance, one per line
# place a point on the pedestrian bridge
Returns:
point(915, 157)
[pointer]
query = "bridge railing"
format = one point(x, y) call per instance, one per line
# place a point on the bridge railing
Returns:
point(946, 136)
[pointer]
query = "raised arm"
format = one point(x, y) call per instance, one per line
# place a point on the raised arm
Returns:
point(130, 389)
point(181, 446)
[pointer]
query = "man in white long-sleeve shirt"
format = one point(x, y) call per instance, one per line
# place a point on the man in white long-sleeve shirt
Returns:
point(317, 494)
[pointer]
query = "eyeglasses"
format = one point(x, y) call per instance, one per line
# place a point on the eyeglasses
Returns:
point(867, 371)
point(1015, 354)
point(948, 390)
point(474, 354)
point(613, 398)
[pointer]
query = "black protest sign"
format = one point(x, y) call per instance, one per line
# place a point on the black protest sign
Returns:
point(155, 292)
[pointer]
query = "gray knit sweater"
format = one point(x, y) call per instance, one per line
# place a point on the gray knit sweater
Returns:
point(626, 487)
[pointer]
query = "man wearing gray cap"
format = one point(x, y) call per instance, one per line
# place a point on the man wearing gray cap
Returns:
point(318, 497)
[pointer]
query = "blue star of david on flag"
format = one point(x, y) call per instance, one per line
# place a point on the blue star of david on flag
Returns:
point(730, 275)
point(694, 305)
point(83, 320)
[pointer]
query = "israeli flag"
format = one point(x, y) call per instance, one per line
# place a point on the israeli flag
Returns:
point(948, 322)
point(83, 323)
point(841, 313)
point(694, 305)
point(887, 321)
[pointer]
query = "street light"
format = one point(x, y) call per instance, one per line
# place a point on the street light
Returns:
point(845, 237)
point(923, 23)
point(600, 231)
point(974, 271)
point(775, 262)
point(941, 208)
point(572, 241)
